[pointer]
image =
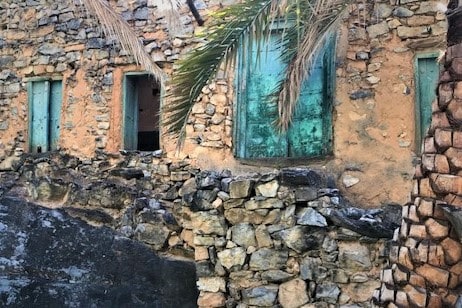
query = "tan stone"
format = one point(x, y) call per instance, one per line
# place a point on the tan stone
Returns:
point(208, 299)
point(455, 109)
point(399, 276)
point(436, 229)
point(420, 20)
point(292, 294)
point(211, 284)
point(454, 281)
point(452, 251)
point(418, 231)
point(201, 253)
point(457, 140)
point(435, 276)
point(453, 200)
point(417, 296)
point(425, 190)
point(423, 251)
point(404, 229)
point(425, 208)
point(401, 299)
point(456, 68)
point(404, 258)
point(445, 95)
point(429, 145)
point(456, 268)
point(455, 157)
point(441, 164)
point(439, 119)
point(434, 301)
point(450, 299)
point(446, 183)
point(443, 138)
point(188, 237)
point(436, 255)
point(413, 214)
point(428, 162)
point(416, 280)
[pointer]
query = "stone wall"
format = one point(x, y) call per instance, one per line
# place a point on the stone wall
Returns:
point(426, 256)
point(287, 238)
point(373, 134)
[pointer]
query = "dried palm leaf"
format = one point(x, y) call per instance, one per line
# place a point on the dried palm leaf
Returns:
point(114, 26)
point(321, 20)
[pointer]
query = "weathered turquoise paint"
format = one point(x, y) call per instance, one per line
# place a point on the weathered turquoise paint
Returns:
point(56, 93)
point(426, 75)
point(45, 98)
point(309, 134)
point(38, 115)
point(130, 122)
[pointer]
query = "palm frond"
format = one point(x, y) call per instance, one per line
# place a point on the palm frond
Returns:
point(321, 18)
point(114, 26)
point(237, 25)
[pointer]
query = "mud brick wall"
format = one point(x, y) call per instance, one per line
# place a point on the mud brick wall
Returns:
point(426, 257)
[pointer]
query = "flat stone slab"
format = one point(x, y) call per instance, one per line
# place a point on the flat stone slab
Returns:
point(49, 259)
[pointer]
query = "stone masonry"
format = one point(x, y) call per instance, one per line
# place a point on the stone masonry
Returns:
point(270, 239)
point(426, 256)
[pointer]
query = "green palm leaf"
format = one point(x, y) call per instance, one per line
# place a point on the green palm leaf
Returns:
point(237, 25)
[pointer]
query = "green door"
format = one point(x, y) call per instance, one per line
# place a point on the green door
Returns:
point(56, 89)
point(427, 73)
point(39, 117)
point(309, 133)
point(130, 122)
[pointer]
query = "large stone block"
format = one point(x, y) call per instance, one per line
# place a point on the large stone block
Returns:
point(434, 275)
point(456, 68)
point(452, 251)
point(436, 229)
point(293, 294)
point(232, 258)
point(445, 94)
point(443, 138)
point(208, 223)
point(267, 259)
point(240, 188)
point(446, 183)
point(264, 296)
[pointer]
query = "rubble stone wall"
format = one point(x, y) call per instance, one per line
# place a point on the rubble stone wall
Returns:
point(287, 238)
point(374, 137)
point(426, 256)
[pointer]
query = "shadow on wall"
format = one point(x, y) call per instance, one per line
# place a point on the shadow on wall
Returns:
point(50, 259)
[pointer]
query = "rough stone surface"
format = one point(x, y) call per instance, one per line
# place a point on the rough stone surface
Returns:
point(100, 268)
point(292, 294)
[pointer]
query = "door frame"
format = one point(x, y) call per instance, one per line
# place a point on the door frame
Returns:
point(417, 101)
point(161, 99)
point(30, 81)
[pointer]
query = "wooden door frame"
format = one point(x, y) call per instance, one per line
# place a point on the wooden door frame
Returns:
point(30, 81)
point(417, 100)
point(161, 99)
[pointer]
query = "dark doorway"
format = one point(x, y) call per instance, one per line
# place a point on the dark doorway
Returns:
point(141, 113)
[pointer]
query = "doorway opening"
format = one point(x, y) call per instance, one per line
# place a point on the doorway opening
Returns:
point(141, 112)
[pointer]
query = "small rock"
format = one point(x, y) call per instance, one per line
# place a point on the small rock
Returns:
point(349, 180)
point(310, 217)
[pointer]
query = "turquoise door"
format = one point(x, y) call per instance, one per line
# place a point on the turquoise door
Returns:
point(310, 132)
point(39, 120)
point(130, 122)
point(56, 90)
point(427, 73)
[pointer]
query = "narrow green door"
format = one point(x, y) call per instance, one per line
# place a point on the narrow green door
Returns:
point(56, 90)
point(257, 136)
point(427, 73)
point(130, 123)
point(39, 117)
